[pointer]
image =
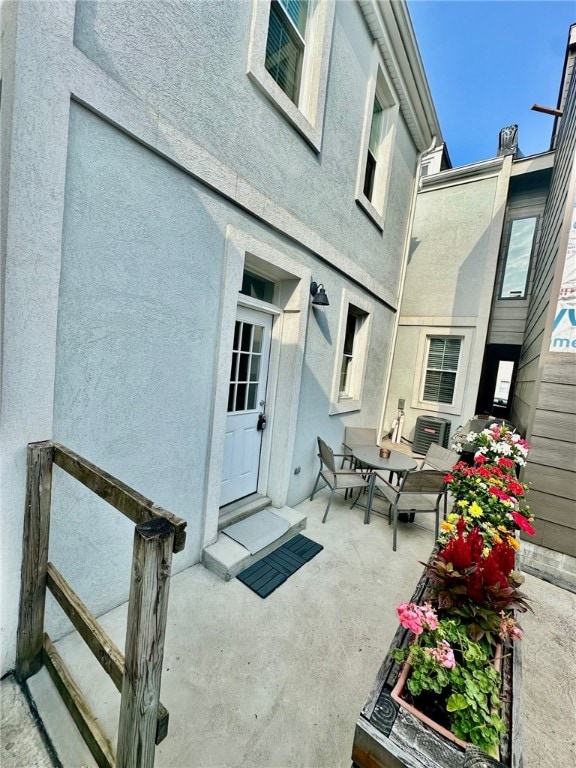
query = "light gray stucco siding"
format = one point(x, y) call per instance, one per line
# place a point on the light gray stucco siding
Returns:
point(137, 334)
point(449, 245)
point(209, 96)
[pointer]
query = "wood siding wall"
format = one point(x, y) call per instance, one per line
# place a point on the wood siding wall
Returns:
point(508, 316)
point(545, 399)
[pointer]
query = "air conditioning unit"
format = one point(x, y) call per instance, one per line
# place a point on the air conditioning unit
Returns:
point(430, 429)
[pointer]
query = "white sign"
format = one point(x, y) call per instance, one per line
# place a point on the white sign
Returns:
point(564, 330)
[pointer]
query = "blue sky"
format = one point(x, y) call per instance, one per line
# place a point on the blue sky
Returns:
point(487, 62)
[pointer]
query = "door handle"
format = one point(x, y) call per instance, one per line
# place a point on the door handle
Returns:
point(262, 419)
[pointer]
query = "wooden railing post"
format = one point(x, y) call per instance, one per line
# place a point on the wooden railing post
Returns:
point(144, 650)
point(34, 559)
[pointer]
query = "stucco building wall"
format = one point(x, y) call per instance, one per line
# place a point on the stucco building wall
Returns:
point(448, 285)
point(149, 168)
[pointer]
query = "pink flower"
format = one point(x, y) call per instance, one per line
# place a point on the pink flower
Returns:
point(443, 654)
point(417, 618)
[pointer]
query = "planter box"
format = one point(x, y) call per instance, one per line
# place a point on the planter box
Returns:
point(389, 736)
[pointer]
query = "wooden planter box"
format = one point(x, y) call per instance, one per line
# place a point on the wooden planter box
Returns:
point(388, 736)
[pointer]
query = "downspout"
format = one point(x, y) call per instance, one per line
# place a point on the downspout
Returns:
point(417, 183)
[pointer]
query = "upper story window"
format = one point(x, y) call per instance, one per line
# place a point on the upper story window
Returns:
point(288, 59)
point(441, 369)
point(377, 146)
point(378, 117)
point(286, 44)
point(516, 269)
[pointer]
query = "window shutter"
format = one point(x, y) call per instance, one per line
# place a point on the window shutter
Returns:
point(441, 369)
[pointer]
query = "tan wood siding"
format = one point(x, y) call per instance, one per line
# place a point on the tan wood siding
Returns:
point(553, 453)
point(553, 509)
point(545, 397)
point(554, 536)
point(549, 480)
point(556, 424)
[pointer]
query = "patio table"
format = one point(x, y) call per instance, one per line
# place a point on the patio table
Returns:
point(369, 456)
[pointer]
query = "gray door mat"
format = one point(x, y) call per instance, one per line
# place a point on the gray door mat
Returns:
point(257, 531)
point(269, 573)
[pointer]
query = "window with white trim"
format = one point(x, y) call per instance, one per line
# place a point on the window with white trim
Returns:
point(350, 363)
point(286, 44)
point(442, 361)
point(288, 59)
point(377, 146)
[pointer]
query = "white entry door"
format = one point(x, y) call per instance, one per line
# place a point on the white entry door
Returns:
point(246, 401)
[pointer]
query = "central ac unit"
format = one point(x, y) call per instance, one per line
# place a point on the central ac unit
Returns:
point(430, 429)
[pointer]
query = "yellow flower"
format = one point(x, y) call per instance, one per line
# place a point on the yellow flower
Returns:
point(446, 526)
point(496, 539)
point(486, 551)
point(514, 543)
point(462, 503)
point(503, 528)
point(476, 510)
point(453, 517)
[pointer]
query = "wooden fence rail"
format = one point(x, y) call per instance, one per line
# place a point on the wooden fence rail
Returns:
point(158, 534)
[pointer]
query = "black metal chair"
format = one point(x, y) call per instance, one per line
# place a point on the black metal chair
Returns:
point(336, 479)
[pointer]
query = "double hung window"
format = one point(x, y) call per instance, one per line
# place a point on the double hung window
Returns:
point(286, 44)
point(288, 59)
point(352, 354)
point(441, 369)
point(376, 154)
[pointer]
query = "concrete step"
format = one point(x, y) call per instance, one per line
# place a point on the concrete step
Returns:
point(238, 510)
point(226, 557)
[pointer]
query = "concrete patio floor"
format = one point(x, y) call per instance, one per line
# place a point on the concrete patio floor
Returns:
point(278, 683)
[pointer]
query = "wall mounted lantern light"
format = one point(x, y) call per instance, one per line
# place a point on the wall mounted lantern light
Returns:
point(319, 295)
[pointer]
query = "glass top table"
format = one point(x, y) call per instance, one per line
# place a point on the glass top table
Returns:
point(369, 456)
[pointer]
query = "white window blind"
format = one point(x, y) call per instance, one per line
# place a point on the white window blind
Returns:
point(285, 44)
point(441, 369)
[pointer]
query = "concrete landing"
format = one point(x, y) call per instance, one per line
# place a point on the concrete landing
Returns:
point(226, 557)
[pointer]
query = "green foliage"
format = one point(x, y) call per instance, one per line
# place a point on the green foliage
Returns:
point(471, 689)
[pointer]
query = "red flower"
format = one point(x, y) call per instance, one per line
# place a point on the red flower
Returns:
point(522, 523)
point(500, 494)
point(484, 472)
point(506, 463)
point(448, 478)
point(480, 459)
point(515, 488)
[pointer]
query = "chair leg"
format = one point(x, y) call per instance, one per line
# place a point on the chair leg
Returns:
point(315, 484)
point(328, 507)
point(395, 529)
point(437, 519)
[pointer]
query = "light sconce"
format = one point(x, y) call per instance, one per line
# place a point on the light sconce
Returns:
point(319, 295)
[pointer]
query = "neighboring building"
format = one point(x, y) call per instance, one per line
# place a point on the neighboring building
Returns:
point(487, 321)
point(174, 177)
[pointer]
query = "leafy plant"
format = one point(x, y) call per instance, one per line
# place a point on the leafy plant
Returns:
point(475, 585)
point(447, 662)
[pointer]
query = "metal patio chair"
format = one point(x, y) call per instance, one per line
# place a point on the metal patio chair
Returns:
point(336, 479)
point(419, 491)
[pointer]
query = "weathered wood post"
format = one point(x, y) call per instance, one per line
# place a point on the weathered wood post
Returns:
point(34, 559)
point(144, 650)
